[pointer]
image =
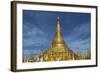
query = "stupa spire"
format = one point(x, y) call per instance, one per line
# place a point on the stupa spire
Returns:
point(58, 39)
point(58, 25)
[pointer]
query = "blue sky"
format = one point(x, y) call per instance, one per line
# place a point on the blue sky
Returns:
point(39, 30)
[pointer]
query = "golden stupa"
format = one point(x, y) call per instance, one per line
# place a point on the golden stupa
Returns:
point(59, 50)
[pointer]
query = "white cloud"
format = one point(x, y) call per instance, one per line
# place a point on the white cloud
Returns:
point(75, 40)
point(83, 29)
point(36, 41)
point(34, 36)
point(35, 31)
point(31, 31)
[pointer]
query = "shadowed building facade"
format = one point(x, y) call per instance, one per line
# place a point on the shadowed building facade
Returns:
point(58, 50)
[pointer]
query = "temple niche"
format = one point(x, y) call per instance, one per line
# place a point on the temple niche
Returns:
point(59, 50)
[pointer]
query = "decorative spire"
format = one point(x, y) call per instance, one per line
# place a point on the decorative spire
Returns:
point(58, 24)
point(58, 39)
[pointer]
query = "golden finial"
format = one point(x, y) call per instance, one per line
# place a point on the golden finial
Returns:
point(58, 24)
point(58, 18)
